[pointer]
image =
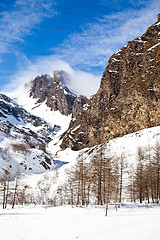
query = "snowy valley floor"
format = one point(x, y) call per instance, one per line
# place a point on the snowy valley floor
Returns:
point(67, 223)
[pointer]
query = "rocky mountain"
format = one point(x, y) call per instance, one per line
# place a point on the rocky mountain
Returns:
point(54, 92)
point(128, 99)
point(23, 137)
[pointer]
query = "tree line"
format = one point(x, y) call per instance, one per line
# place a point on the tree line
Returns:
point(105, 180)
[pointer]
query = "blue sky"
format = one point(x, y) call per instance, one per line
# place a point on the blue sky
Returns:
point(79, 36)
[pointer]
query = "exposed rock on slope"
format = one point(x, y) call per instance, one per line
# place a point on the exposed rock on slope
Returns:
point(55, 93)
point(128, 99)
point(13, 113)
point(23, 137)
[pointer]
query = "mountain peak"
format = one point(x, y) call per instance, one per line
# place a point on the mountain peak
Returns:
point(55, 93)
point(61, 76)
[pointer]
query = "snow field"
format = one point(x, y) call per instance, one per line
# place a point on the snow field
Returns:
point(67, 223)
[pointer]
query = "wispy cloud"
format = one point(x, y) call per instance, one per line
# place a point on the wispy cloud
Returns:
point(81, 82)
point(98, 41)
point(17, 22)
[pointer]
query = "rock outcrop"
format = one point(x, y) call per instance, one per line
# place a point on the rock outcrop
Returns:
point(128, 99)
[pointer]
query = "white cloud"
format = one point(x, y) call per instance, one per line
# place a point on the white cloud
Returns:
point(80, 82)
point(98, 41)
point(17, 22)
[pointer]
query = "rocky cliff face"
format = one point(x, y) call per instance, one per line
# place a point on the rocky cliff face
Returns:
point(128, 99)
point(56, 94)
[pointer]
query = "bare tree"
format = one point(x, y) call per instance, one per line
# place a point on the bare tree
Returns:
point(17, 179)
point(139, 173)
point(131, 190)
point(156, 162)
point(122, 168)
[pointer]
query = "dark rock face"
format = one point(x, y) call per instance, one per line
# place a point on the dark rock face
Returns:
point(8, 108)
point(55, 93)
point(128, 99)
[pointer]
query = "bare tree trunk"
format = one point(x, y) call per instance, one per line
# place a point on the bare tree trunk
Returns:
point(15, 192)
point(107, 198)
point(78, 191)
point(4, 194)
point(157, 164)
point(100, 167)
point(158, 168)
point(122, 167)
point(7, 191)
point(82, 182)
point(88, 193)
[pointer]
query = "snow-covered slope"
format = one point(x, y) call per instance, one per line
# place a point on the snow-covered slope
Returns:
point(127, 145)
point(23, 137)
point(11, 112)
point(20, 152)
